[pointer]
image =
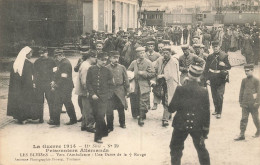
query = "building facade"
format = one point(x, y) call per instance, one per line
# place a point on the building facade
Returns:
point(109, 15)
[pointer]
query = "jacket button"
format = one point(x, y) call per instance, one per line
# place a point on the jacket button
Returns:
point(187, 127)
point(188, 114)
point(188, 121)
point(191, 121)
point(193, 114)
point(190, 127)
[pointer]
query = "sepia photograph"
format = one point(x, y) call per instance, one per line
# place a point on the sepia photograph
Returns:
point(129, 82)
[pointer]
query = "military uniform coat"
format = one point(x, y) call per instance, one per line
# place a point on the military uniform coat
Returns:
point(143, 80)
point(192, 112)
point(121, 81)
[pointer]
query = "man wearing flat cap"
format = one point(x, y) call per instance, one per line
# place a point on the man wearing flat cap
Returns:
point(166, 80)
point(143, 73)
point(120, 90)
point(87, 121)
point(249, 99)
point(186, 60)
point(99, 84)
point(151, 54)
point(109, 44)
point(192, 117)
point(99, 46)
point(216, 71)
point(43, 76)
point(62, 86)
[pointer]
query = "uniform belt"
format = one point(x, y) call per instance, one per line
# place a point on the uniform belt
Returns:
point(214, 71)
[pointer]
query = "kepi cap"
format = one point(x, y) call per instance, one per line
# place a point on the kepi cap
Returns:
point(248, 66)
point(195, 71)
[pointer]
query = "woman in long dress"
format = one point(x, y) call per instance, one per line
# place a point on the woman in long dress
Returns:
point(20, 94)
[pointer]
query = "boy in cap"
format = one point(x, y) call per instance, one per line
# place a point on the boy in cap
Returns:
point(88, 121)
point(249, 99)
point(99, 84)
point(144, 72)
point(43, 75)
point(62, 87)
point(120, 90)
point(192, 117)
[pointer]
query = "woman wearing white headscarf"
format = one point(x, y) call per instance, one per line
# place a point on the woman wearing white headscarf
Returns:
point(21, 87)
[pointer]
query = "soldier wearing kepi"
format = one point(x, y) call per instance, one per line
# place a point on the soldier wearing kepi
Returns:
point(168, 77)
point(62, 86)
point(120, 90)
point(186, 60)
point(153, 56)
point(43, 76)
point(192, 117)
point(143, 73)
point(249, 99)
point(99, 84)
point(216, 72)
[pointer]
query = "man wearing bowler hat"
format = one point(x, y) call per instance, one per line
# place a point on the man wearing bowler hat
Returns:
point(99, 84)
point(120, 91)
point(62, 87)
point(192, 117)
point(216, 71)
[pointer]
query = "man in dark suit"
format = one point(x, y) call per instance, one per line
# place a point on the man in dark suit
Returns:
point(192, 117)
point(99, 84)
point(62, 87)
point(216, 72)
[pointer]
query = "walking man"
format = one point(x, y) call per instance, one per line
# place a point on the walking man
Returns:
point(249, 99)
point(192, 117)
point(99, 84)
point(62, 87)
point(143, 73)
point(120, 90)
point(216, 71)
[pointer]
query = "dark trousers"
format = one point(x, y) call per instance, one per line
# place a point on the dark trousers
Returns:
point(250, 58)
point(217, 91)
point(177, 145)
point(185, 38)
point(247, 109)
point(115, 103)
point(100, 108)
point(140, 103)
point(42, 91)
point(80, 103)
point(63, 97)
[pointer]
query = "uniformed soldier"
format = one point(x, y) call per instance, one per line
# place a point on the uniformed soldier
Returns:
point(120, 90)
point(216, 72)
point(62, 86)
point(192, 117)
point(143, 72)
point(99, 84)
point(43, 76)
point(249, 99)
point(186, 60)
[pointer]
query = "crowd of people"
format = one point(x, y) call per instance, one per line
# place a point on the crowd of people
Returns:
point(115, 67)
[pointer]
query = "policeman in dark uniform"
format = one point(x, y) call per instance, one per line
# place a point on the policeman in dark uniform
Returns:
point(216, 72)
point(43, 76)
point(192, 117)
point(99, 84)
point(62, 87)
